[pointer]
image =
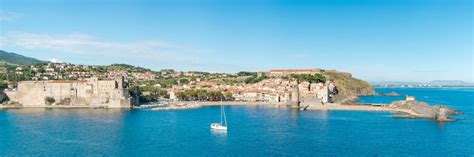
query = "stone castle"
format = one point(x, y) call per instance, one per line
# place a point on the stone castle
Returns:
point(92, 92)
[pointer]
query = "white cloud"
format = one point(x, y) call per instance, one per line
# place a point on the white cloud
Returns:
point(7, 16)
point(55, 60)
point(84, 44)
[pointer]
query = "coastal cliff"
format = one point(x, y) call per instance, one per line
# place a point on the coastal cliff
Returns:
point(349, 87)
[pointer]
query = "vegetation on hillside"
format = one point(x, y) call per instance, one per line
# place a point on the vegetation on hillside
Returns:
point(148, 93)
point(3, 84)
point(14, 58)
point(202, 95)
point(126, 67)
point(12, 76)
point(349, 88)
point(316, 78)
point(255, 79)
point(246, 73)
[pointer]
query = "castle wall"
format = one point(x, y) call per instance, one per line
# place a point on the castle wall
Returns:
point(91, 92)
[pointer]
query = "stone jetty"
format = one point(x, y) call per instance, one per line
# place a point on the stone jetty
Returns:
point(404, 109)
point(180, 106)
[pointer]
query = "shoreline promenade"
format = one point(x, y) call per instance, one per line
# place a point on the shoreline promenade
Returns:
point(189, 105)
point(328, 106)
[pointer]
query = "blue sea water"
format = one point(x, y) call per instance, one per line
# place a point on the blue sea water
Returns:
point(253, 131)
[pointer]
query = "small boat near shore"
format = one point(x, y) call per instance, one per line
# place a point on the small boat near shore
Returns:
point(222, 126)
point(180, 106)
point(153, 106)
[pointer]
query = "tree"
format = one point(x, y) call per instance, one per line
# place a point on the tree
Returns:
point(183, 81)
point(246, 73)
point(49, 100)
point(3, 84)
point(228, 96)
point(181, 95)
point(199, 95)
point(255, 79)
point(135, 91)
point(215, 95)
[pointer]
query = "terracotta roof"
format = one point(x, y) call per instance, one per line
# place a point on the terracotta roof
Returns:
point(68, 81)
point(295, 70)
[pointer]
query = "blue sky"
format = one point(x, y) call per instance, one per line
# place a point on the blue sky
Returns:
point(376, 40)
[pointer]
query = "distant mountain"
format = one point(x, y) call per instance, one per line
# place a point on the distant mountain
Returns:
point(451, 83)
point(14, 58)
point(432, 83)
point(396, 83)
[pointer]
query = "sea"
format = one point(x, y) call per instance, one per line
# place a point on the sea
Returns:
point(252, 130)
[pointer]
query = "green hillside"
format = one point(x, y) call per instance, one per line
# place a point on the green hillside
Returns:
point(14, 58)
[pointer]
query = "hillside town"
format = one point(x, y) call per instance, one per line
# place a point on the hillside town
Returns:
point(276, 88)
point(139, 85)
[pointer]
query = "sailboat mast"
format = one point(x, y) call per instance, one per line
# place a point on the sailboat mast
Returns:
point(221, 114)
point(225, 119)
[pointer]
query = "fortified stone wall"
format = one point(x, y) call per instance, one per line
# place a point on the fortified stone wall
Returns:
point(90, 92)
point(310, 101)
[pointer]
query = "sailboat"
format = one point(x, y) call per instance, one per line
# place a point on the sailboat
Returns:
point(222, 126)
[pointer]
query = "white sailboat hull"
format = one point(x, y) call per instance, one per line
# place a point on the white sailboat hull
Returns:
point(218, 126)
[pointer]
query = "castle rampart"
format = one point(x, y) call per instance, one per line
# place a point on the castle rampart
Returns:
point(91, 92)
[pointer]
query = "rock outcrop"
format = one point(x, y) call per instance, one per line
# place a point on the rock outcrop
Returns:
point(350, 88)
point(423, 110)
point(393, 94)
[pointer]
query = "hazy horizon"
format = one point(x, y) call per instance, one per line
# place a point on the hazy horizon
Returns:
point(407, 40)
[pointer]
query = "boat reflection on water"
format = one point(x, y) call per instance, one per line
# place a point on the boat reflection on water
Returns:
point(321, 114)
point(324, 114)
point(219, 132)
point(294, 113)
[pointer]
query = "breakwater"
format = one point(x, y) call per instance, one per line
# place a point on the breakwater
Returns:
point(176, 107)
point(358, 107)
